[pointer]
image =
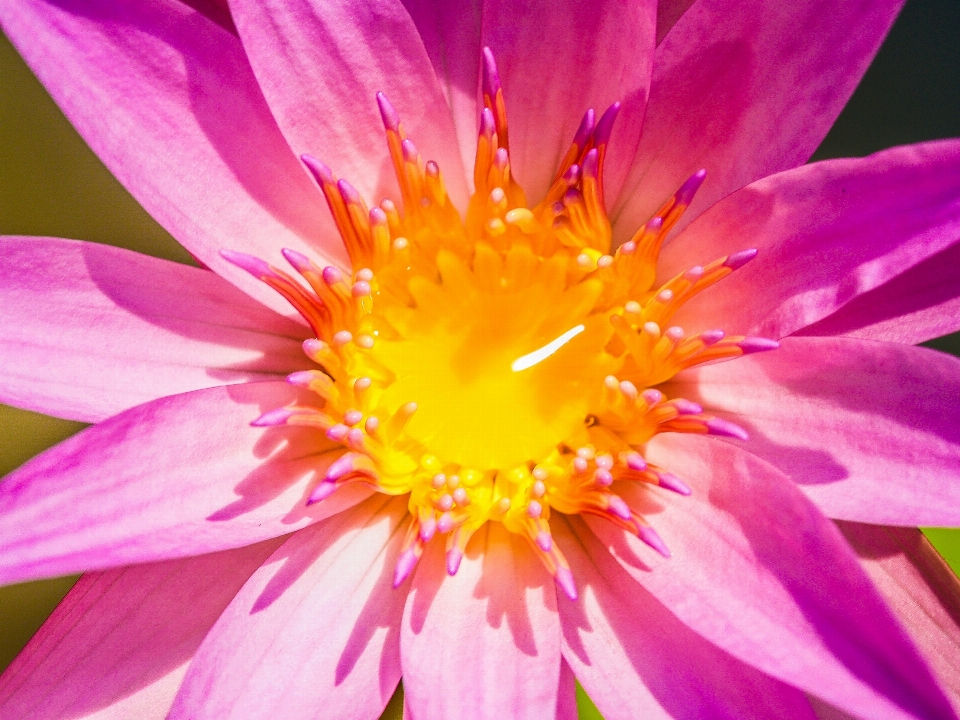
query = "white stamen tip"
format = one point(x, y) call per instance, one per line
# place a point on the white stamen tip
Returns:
point(342, 337)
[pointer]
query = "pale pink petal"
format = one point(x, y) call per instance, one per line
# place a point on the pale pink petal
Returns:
point(216, 10)
point(920, 587)
point(746, 89)
point(556, 59)
point(635, 659)
point(182, 475)
point(321, 63)
point(760, 572)
point(918, 305)
point(88, 330)
point(826, 232)
point(167, 100)
point(489, 636)
point(450, 31)
point(314, 631)
point(870, 431)
point(119, 644)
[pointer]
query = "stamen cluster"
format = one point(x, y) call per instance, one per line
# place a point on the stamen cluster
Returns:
point(498, 366)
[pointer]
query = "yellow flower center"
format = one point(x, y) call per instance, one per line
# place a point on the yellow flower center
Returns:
point(497, 366)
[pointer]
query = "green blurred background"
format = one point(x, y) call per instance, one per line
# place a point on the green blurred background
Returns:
point(52, 184)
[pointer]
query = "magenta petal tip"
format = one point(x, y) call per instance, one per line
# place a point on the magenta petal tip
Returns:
point(636, 462)
point(297, 260)
point(619, 508)
point(544, 541)
point(586, 128)
point(405, 564)
point(739, 259)
point(391, 120)
point(725, 428)
point(564, 580)
point(757, 344)
point(669, 481)
point(348, 192)
point(301, 378)
point(491, 77)
point(278, 416)
point(651, 538)
point(252, 264)
point(454, 556)
point(712, 337)
point(689, 188)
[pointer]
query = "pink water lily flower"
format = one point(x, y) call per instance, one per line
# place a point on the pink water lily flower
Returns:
point(603, 383)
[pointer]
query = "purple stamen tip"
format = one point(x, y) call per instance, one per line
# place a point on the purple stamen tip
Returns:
point(488, 124)
point(687, 407)
point(348, 192)
point(321, 492)
point(564, 579)
point(321, 173)
point(591, 163)
point(391, 120)
point(686, 192)
point(454, 556)
point(671, 482)
point(445, 523)
point(252, 264)
point(432, 168)
point(501, 158)
point(572, 175)
point(301, 378)
point(739, 259)
point(331, 275)
point(544, 541)
point(725, 428)
point(586, 128)
point(311, 346)
point(654, 224)
point(410, 152)
point(427, 529)
point(605, 125)
point(619, 508)
point(491, 78)
point(339, 467)
point(378, 217)
point(636, 462)
point(298, 260)
point(277, 416)
point(711, 337)
point(405, 564)
point(757, 344)
point(650, 537)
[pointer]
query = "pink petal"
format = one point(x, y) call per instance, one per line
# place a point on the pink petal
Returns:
point(182, 475)
point(168, 102)
point(320, 65)
point(556, 59)
point(90, 330)
point(668, 13)
point(450, 32)
point(918, 305)
point(636, 659)
point(314, 631)
point(870, 431)
point(120, 642)
point(746, 89)
point(489, 636)
point(826, 232)
point(567, 694)
point(758, 571)
point(920, 587)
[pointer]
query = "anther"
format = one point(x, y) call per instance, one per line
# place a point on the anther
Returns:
point(544, 541)
point(439, 480)
point(538, 490)
point(534, 509)
point(540, 474)
point(401, 243)
point(580, 465)
point(632, 307)
point(636, 462)
point(605, 261)
point(342, 337)
point(628, 389)
point(365, 274)
point(352, 417)
point(331, 275)
point(603, 478)
point(453, 481)
point(586, 452)
point(445, 502)
point(338, 432)
point(371, 425)
point(460, 497)
point(665, 296)
point(739, 259)
point(503, 504)
point(365, 341)
point(651, 328)
point(675, 333)
point(360, 289)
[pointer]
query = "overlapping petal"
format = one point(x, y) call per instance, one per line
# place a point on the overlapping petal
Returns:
point(760, 572)
point(826, 232)
point(179, 476)
point(636, 659)
point(320, 65)
point(87, 330)
point(746, 89)
point(920, 587)
point(501, 604)
point(314, 631)
point(870, 431)
point(166, 98)
point(119, 644)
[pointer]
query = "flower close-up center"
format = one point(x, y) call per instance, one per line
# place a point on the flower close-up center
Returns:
point(502, 365)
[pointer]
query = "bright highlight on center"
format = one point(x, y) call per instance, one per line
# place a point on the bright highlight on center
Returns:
point(531, 359)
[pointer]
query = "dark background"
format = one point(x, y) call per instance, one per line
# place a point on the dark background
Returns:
point(51, 184)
